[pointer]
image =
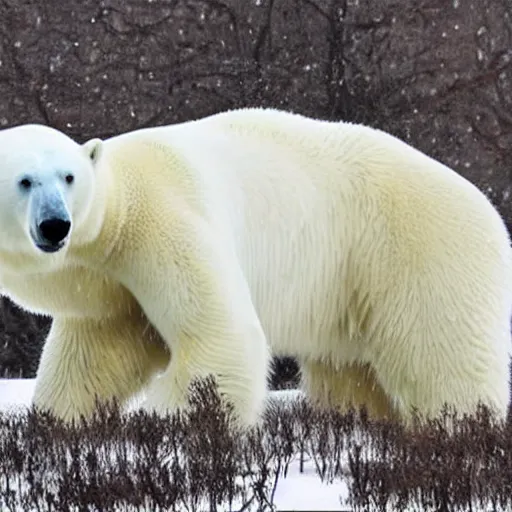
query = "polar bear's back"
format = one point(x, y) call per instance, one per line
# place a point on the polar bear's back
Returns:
point(334, 221)
point(325, 211)
point(357, 228)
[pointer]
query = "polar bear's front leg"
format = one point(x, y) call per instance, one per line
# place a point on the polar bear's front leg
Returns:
point(239, 364)
point(191, 288)
point(88, 359)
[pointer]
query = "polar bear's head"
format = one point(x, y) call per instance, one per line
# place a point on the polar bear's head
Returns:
point(47, 184)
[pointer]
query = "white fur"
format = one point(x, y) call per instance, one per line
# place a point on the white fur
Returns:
point(331, 242)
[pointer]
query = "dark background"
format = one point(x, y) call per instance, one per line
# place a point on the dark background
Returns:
point(436, 73)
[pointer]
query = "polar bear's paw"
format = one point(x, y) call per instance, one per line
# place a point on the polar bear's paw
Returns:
point(166, 394)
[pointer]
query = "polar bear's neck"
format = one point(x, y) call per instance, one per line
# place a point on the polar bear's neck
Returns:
point(95, 242)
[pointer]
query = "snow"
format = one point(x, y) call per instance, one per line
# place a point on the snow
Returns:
point(16, 393)
point(296, 491)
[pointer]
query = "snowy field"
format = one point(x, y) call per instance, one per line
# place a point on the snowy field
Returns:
point(296, 491)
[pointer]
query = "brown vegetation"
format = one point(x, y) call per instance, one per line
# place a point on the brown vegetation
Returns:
point(198, 461)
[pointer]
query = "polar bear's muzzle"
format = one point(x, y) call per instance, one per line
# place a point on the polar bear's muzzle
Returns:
point(52, 234)
point(51, 221)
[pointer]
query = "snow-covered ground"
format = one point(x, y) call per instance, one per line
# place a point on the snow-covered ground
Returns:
point(296, 491)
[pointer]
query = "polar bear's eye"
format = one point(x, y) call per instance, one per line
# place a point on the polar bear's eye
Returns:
point(69, 179)
point(25, 183)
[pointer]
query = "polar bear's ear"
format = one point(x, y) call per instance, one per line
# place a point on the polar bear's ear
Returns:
point(93, 149)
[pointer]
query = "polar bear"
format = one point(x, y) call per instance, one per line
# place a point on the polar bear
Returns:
point(201, 248)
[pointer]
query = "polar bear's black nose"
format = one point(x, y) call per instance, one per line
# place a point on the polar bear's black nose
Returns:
point(54, 230)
